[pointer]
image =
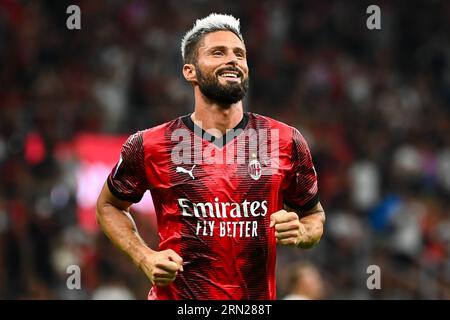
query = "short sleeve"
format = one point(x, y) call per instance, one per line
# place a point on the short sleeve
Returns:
point(127, 180)
point(302, 190)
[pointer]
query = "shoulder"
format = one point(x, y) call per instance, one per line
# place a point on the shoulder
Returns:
point(158, 136)
point(287, 134)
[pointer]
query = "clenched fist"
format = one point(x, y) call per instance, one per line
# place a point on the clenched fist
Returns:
point(288, 228)
point(162, 267)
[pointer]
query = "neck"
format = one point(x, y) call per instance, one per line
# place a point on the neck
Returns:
point(307, 292)
point(214, 118)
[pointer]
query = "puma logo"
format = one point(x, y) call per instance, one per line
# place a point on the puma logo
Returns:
point(189, 172)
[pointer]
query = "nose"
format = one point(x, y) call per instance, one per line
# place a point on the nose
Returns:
point(233, 59)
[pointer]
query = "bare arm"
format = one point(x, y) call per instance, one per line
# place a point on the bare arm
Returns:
point(301, 229)
point(116, 222)
point(311, 226)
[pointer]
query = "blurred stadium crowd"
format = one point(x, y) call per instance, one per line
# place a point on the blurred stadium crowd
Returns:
point(373, 105)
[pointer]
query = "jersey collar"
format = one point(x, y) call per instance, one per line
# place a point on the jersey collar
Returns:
point(219, 142)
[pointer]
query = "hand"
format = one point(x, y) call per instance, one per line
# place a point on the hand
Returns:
point(288, 228)
point(162, 267)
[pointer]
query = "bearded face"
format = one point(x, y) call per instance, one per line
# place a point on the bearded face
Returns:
point(219, 69)
point(225, 86)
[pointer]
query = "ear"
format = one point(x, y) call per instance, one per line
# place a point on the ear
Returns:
point(189, 72)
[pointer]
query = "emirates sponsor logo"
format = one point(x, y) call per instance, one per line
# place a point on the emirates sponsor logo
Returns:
point(218, 209)
point(207, 213)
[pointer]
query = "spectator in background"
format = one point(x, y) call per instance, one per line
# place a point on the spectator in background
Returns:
point(305, 283)
point(375, 106)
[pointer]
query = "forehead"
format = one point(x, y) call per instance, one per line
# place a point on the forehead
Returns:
point(221, 39)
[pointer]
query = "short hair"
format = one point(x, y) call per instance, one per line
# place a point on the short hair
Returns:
point(213, 22)
point(296, 273)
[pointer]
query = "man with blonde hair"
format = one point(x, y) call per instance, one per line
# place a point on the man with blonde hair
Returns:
point(227, 185)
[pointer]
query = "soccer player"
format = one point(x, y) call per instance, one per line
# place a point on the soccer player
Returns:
point(227, 185)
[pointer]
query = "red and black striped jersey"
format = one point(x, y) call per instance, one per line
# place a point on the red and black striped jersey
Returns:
point(213, 199)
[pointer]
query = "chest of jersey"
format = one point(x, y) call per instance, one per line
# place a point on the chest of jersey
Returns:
point(226, 170)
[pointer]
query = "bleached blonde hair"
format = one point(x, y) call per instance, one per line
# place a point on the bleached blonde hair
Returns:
point(213, 22)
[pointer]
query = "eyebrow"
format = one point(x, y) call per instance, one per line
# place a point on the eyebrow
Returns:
point(224, 48)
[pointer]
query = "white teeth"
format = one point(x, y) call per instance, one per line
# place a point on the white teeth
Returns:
point(232, 75)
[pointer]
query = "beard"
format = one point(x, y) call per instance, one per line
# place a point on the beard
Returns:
point(223, 94)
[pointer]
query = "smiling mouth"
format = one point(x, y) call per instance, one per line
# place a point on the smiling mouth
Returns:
point(230, 75)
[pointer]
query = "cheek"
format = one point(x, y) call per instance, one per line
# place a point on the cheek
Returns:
point(244, 67)
point(208, 70)
point(209, 65)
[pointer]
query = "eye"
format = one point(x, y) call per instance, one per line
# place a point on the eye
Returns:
point(240, 54)
point(217, 53)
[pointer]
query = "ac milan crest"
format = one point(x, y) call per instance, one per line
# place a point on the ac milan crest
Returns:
point(254, 169)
